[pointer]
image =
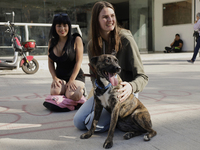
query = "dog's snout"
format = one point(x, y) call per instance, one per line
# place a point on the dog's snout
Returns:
point(118, 68)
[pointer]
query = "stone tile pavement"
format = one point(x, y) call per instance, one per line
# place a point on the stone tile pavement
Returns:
point(171, 96)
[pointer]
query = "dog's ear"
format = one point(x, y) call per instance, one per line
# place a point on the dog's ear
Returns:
point(114, 52)
point(94, 60)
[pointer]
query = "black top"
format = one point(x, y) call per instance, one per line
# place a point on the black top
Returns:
point(176, 43)
point(65, 63)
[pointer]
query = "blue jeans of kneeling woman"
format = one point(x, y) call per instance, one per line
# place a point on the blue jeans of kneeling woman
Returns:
point(85, 114)
point(84, 117)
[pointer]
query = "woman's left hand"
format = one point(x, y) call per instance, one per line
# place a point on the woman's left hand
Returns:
point(126, 91)
point(71, 85)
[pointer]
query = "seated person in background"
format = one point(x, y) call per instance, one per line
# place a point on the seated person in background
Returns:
point(176, 45)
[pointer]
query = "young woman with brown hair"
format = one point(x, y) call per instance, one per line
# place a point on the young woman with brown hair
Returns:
point(106, 36)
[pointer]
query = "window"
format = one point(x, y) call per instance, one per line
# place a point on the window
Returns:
point(177, 13)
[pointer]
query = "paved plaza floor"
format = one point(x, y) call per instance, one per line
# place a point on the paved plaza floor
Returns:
point(172, 97)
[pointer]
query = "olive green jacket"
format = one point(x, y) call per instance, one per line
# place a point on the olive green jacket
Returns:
point(132, 70)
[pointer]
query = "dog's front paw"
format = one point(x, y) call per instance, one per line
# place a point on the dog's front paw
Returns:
point(85, 135)
point(146, 137)
point(108, 144)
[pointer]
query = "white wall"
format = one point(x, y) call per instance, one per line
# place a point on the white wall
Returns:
point(197, 6)
point(164, 35)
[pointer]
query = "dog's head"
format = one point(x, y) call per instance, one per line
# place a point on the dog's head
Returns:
point(106, 66)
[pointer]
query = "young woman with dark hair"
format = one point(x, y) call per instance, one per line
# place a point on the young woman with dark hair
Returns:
point(66, 51)
point(106, 33)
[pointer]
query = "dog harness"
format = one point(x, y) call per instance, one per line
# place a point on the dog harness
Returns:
point(101, 87)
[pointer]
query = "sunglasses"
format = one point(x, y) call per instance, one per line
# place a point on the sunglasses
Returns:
point(63, 15)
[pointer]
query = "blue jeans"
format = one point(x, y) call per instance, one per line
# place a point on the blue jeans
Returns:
point(85, 114)
point(196, 50)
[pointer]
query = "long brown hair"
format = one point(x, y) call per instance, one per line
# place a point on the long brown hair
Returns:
point(114, 39)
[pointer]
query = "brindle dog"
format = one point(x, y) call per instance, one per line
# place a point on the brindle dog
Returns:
point(130, 115)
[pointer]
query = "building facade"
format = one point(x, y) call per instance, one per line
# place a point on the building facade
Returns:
point(171, 17)
point(148, 20)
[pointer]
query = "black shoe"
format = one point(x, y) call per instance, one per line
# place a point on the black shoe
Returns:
point(167, 51)
point(190, 61)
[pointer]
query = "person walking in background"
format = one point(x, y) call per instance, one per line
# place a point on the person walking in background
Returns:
point(196, 28)
point(66, 51)
point(106, 36)
point(176, 45)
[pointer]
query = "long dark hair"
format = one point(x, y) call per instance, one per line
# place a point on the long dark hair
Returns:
point(114, 39)
point(60, 18)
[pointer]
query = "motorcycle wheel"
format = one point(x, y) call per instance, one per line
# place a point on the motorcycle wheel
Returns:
point(30, 68)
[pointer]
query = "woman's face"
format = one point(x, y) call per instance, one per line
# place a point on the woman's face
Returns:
point(198, 18)
point(62, 29)
point(107, 19)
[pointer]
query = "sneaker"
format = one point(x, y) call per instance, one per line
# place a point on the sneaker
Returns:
point(167, 51)
point(190, 61)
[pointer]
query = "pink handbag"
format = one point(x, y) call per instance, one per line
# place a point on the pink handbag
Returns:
point(60, 103)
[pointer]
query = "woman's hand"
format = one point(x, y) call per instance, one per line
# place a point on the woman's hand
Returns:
point(126, 91)
point(56, 83)
point(71, 85)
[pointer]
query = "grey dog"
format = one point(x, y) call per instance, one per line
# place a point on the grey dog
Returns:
point(130, 116)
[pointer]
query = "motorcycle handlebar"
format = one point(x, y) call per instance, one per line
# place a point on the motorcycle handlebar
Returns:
point(8, 13)
point(10, 28)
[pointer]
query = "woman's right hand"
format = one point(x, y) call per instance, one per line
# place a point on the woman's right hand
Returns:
point(56, 82)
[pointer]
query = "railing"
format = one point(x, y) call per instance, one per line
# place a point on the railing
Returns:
point(26, 25)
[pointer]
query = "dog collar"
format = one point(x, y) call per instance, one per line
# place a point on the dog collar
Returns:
point(101, 87)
